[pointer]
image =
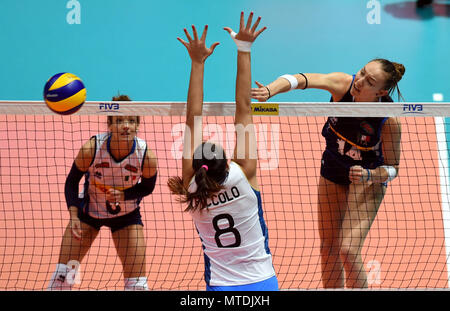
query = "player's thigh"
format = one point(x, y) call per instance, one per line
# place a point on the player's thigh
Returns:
point(332, 201)
point(130, 246)
point(364, 201)
point(73, 249)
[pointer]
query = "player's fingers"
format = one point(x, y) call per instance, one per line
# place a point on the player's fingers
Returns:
point(356, 168)
point(205, 31)
point(228, 29)
point(256, 24)
point(259, 98)
point(259, 84)
point(195, 33)
point(183, 42)
point(187, 35)
point(76, 232)
point(355, 174)
point(258, 92)
point(241, 23)
point(249, 21)
point(213, 46)
point(260, 31)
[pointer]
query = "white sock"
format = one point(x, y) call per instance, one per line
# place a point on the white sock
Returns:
point(59, 278)
point(139, 283)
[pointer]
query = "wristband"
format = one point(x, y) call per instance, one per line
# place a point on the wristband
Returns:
point(243, 46)
point(268, 91)
point(392, 172)
point(292, 81)
point(306, 81)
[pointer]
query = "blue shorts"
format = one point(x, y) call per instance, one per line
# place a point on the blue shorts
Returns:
point(266, 285)
point(115, 224)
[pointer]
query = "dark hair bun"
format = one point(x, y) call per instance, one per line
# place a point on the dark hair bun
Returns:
point(400, 70)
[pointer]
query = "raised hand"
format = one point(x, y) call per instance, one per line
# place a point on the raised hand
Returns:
point(261, 93)
point(197, 47)
point(247, 32)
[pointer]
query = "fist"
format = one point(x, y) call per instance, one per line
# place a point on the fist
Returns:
point(114, 195)
point(359, 175)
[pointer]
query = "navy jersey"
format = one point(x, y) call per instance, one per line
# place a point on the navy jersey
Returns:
point(351, 141)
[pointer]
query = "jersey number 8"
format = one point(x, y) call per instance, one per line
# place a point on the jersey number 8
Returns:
point(228, 229)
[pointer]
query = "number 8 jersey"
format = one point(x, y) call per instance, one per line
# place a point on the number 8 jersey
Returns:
point(106, 172)
point(234, 234)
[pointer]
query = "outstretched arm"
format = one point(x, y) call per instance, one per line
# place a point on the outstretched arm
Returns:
point(198, 53)
point(336, 83)
point(245, 153)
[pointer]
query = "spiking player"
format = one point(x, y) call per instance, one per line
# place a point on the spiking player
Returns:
point(361, 156)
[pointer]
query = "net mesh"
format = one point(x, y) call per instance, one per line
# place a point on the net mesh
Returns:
point(405, 248)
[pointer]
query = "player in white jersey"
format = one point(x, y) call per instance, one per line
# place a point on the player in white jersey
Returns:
point(224, 199)
point(119, 171)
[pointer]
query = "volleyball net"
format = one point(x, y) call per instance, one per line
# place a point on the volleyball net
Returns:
point(407, 247)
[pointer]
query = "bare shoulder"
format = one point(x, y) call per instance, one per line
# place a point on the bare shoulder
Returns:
point(150, 164)
point(86, 155)
point(393, 124)
point(340, 78)
point(392, 129)
point(337, 83)
point(150, 155)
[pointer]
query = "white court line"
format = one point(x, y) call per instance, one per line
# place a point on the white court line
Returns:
point(445, 187)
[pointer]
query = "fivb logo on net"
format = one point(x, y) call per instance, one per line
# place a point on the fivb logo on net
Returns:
point(263, 143)
point(74, 15)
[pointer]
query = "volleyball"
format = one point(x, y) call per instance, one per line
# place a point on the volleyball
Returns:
point(64, 93)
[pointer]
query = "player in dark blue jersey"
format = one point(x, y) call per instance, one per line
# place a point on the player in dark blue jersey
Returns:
point(361, 156)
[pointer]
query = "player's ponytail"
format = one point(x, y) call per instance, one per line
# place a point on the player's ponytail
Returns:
point(211, 169)
point(395, 73)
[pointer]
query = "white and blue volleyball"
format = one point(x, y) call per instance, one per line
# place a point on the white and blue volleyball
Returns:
point(64, 93)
